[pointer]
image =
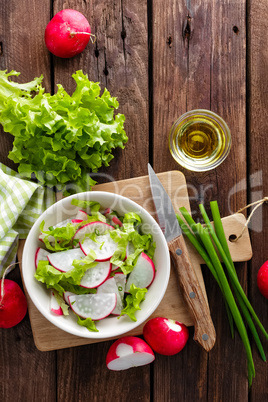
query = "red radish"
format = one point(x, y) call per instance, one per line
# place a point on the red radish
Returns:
point(67, 34)
point(117, 221)
point(96, 306)
point(110, 286)
point(114, 267)
point(63, 260)
point(76, 221)
point(40, 255)
point(104, 247)
point(262, 279)
point(130, 248)
point(120, 280)
point(109, 213)
point(128, 352)
point(166, 337)
point(97, 227)
point(13, 304)
point(95, 276)
point(55, 308)
point(81, 215)
point(66, 296)
point(112, 216)
point(142, 274)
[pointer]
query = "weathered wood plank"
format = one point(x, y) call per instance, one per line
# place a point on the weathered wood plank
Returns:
point(22, 26)
point(228, 98)
point(26, 373)
point(170, 95)
point(258, 166)
point(118, 60)
point(199, 62)
point(84, 376)
point(22, 48)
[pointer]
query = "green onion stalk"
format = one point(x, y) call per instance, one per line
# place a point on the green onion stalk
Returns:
point(207, 240)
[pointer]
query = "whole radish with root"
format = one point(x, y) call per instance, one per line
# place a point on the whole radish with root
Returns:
point(67, 34)
point(165, 336)
point(13, 304)
point(262, 279)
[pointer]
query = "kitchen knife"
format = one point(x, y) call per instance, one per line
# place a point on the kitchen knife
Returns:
point(192, 293)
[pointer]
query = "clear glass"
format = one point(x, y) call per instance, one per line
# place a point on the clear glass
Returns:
point(199, 140)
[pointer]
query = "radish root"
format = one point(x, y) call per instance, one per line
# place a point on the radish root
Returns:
point(92, 36)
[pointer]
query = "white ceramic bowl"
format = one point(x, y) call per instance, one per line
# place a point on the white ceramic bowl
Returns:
point(111, 326)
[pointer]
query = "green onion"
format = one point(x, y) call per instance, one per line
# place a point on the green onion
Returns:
point(204, 234)
point(228, 260)
point(201, 240)
point(187, 216)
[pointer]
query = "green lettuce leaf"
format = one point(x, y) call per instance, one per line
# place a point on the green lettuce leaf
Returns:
point(88, 323)
point(79, 290)
point(57, 280)
point(60, 139)
point(83, 204)
point(87, 262)
point(132, 217)
point(120, 253)
point(130, 262)
point(126, 234)
point(62, 237)
point(61, 302)
point(133, 300)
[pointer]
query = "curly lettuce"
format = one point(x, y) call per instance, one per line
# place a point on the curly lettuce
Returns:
point(132, 302)
point(64, 281)
point(60, 139)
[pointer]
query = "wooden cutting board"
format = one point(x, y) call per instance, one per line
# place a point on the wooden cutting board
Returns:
point(48, 337)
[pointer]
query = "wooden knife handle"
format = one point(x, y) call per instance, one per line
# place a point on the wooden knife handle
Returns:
point(192, 293)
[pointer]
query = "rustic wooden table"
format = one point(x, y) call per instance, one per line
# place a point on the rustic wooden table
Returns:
point(160, 58)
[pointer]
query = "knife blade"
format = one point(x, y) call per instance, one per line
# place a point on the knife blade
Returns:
point(192, 293)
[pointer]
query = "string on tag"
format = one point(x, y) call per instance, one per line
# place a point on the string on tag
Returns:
point(257, 205)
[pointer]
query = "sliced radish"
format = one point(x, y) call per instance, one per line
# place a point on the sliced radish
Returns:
point(143, 273)
point(63, 223)
point(66, 296)
point(116, 221)
point(128, 352)
point(40, 255)
point(63, 260)
point(120, 280)
point(104, 248)
point(130, 248)
point(81, 215)
point(109, 286)
point(97, 227)
point(96, 307)
point(95, 276)
point(109, 213)
point(114, 267)
point(55, 308)
point(76, 221)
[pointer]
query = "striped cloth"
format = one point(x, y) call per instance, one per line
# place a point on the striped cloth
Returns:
point(21, 203)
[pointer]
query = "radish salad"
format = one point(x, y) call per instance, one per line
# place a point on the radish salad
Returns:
point(96, 264)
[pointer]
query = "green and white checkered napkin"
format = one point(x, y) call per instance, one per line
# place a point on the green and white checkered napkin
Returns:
point(21, 203)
